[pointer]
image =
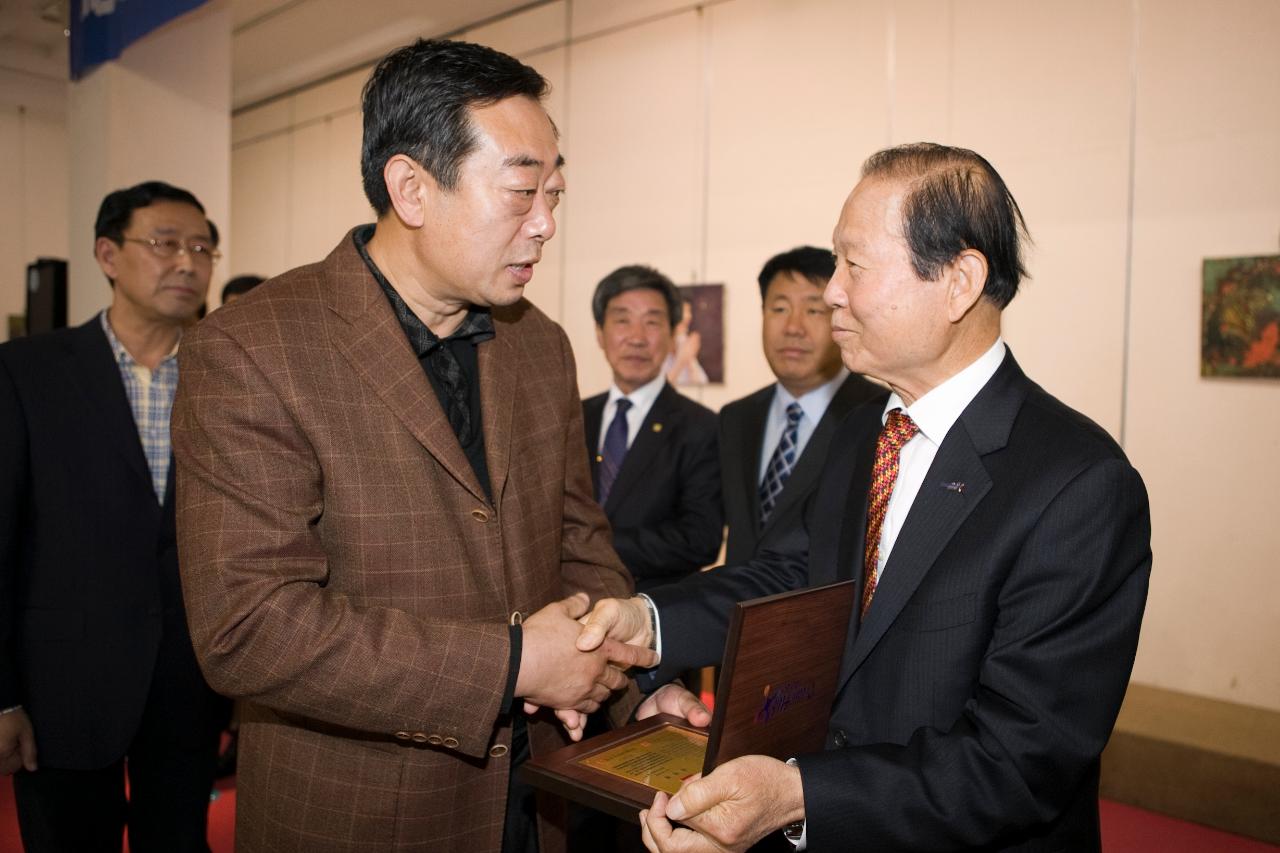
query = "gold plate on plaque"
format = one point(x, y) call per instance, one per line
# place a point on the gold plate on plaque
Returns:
point(660, 759)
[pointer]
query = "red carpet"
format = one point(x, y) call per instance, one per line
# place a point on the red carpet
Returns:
point(222, 818)
point(1125, 829)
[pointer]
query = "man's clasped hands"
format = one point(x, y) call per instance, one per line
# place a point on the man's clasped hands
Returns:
point(572, 660)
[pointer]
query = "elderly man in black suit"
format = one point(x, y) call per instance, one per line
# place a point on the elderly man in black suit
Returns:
point(652, 450)
point(97, 672)
point(1001, 547)
point(773, 442)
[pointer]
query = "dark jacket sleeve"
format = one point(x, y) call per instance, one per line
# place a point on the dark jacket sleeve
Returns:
point(1048, 690)
point(695, 613)
point(691, 538)
point(13, 479)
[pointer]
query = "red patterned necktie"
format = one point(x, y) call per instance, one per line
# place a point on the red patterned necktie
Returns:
point(898, 430)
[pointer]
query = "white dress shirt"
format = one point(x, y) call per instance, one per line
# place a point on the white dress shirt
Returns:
point(934, 413)
point(814, 403)
point(641, 402)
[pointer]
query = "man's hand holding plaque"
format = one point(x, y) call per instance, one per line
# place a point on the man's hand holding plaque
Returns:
point(732, 808)
point(675, 700)
point(735, 806)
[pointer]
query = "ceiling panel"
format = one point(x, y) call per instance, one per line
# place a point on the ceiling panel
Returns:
point(279, 45)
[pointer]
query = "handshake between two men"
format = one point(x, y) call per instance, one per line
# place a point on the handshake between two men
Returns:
point(741, 802)
point(572, 661)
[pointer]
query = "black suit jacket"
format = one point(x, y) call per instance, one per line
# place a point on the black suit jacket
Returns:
point(88, 561)
point(977, 695)
point(665, 505)
point(742, 426)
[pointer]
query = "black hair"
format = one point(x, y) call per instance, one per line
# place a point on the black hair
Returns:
point(213, 233)
point(240, 285)
point(116, 211)
point(417, 102)
point(817, 265)
point(955, 200)
point(636, 277)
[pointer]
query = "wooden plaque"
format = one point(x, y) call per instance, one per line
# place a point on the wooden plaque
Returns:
point(782, 658)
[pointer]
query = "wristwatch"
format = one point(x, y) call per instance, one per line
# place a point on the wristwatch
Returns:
point(793, 832)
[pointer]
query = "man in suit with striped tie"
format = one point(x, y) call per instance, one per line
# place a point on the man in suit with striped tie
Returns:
point(773, 441)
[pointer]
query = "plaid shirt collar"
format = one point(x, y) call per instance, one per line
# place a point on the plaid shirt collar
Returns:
point(123, 358)
point(476, 326)
point(150, 394)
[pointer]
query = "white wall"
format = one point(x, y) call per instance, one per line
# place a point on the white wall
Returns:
point(1138, 137)
point(158, 112)
point(33, 182)
point(1206, 184)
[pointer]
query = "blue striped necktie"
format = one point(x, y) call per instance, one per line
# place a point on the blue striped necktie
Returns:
point(781, 463)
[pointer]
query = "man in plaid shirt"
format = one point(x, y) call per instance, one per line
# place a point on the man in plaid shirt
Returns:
point(97, 673)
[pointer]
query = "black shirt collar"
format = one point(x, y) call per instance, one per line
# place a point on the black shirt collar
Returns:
point(476, 326)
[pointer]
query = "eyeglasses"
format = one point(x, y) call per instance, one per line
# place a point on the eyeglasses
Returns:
point(197, 250)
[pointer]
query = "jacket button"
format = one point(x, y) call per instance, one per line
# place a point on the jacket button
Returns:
point(497, 751)
point(403, 735)
point(419, 737)
point(841, 739)
point(480, 515)
point(435, 740)
point(451, 742)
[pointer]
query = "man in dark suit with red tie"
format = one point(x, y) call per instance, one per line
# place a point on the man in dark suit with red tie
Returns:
point(999, 540)
point(652, 450)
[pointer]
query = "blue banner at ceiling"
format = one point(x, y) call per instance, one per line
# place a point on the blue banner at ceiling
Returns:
point(102, 29)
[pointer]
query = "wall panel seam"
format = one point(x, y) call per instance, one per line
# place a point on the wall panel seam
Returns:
point(1127, 313)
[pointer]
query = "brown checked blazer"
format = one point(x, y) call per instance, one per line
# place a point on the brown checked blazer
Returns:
point(344, 571)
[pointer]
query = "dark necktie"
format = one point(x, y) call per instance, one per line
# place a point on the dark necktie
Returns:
point(781, 463)
point(898, 430)
point(615, 449)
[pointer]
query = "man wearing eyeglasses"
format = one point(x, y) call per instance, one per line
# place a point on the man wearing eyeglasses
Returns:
point(97, 673)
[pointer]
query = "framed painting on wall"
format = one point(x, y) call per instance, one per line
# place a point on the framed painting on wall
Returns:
point(697, 356)
point(1240, 330)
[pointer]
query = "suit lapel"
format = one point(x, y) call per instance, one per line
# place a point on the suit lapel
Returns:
point(752, 446)
point(853, 529)
point(592, 414)
point(371, 340)
point(98, 376)
point(935, 516)
point(940, 508)
point(654, 432)
point(499, 369)
point(814, 458)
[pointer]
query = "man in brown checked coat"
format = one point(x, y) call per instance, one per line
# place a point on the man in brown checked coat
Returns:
point(383, 500)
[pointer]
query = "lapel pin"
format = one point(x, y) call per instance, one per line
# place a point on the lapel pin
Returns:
point(958, 488)
point(657, 427)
